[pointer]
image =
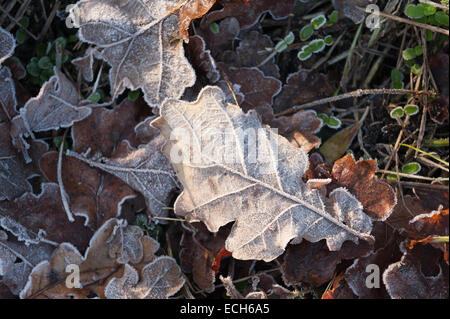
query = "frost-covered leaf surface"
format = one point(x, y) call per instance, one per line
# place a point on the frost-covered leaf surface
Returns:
point(268, 201)
point(115, 250)
point(141, 42)
point(7, 95)
point(7, 45)
point(145, 169)
point(56, 106)
point(14, 172)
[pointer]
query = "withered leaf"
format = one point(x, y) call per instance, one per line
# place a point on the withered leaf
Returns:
point(222, 40)
point(85, 64)
point(199, 248)
point(103, 131)
point(145, 169)
point(298, 128)
point(314, 263)
point(202, 59)
point(14, 172)
point(193, 9)
point(251, 52)
point(113, 247)
point(8, 101)
point(302, 87)
point(35, 218)
point(160, 279)
point(265, 197)
point(8, 44)
point(258, 90)
point(95, 194)
point(141, 41)
point(18, 259)
point(357, 273)
point(420, 274)
point(377, 197)
point(56, 106)
point(248, 12)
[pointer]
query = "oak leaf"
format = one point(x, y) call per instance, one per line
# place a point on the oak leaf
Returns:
point(8, 45)
point(141, 42)
point(114, 250)
point(267, 199)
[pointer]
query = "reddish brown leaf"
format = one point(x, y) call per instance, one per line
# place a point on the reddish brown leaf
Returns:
point(104, 129)
point(259, 90)
point(222, 40)
point(199, 247)
point(32, 218)
point(192, 10)
point(248, 11)
point(302, 87)
point(251, 52)
point(314, 263)
point(339, 289)
point(420, 274)
point(377, 197)
point(298, 128)
point(94, 193)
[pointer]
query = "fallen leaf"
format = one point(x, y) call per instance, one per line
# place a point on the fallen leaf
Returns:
point(377, 197)
point(102, 132)
point(314, 263)
point(14, 172)
point(251, 52)
point(357, 274)
point(420, 274)
point(258, 90)
point(85, 64)
point(248, 12)
point(145, 169)
point(202, 60)
point(17, 260)
point(339, 289)
point(35, 218)
point(438, 108)
point(115, 252)
point(8, 45)
point(302, 87)
point(228, 30)
point(56, 106)
point(94, 194)
point(141, 42)
point(8, 101)
point(193, 9)
point(298, 128)
point(199, 249)
point(336, 146)
point(266, 198)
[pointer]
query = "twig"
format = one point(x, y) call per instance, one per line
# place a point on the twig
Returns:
point(356, 93)
point(64, 196)
point(434, 4)
point(425, 178)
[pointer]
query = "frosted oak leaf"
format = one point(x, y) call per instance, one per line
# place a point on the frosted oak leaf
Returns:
point(141, 41)
point(268, 201)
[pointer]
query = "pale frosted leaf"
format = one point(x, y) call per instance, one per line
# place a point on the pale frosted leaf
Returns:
point(113, 245)
point(56, 106)
point(7, 45)
point(264, 196)
point(17, 260)
point(140, 40)
point(160, 279)
point(8, 101)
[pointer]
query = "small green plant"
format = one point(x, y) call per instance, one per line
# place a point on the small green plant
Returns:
point(21, 35)
point(411, 168)
point(427, 13)
point(330, 121)
point(150, 228)
point(40, 67)
point(307, 32)
point(399, 112)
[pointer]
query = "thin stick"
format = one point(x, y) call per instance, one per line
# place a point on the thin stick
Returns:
point(425, 178)
point(434, 4)
point(356, 93)
point(64, 196)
